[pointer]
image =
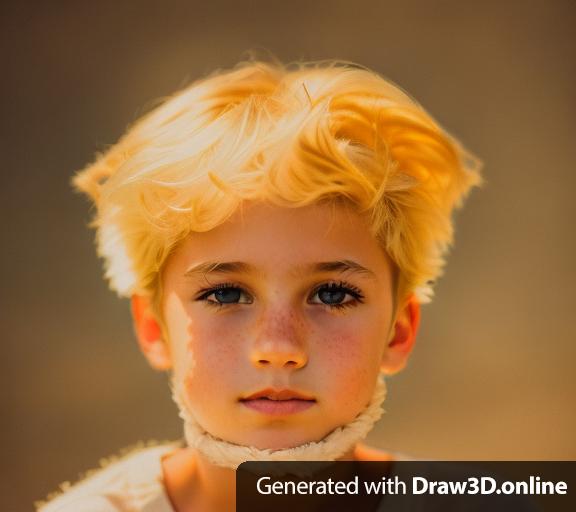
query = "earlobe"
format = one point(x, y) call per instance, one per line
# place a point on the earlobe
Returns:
point(149, 333)
point(401, 343)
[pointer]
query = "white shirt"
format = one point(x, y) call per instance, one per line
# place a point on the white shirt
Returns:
point(132, 484)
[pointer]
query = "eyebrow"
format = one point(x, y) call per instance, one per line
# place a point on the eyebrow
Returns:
point(216, 267)
point(239, 267)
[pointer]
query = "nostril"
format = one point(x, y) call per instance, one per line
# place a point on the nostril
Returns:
point(291, 363)
point(263, 361)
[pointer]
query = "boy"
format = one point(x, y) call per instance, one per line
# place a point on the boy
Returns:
point(276, 230)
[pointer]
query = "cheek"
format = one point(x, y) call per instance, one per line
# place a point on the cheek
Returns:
point(350, 341)
point(216, 348)
point(350, 360)
point(217, 342)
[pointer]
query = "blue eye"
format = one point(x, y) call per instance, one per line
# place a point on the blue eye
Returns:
point(328, 296)
point(336, 295)
point(225, 294)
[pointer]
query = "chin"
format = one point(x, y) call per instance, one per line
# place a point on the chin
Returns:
point(278, 439)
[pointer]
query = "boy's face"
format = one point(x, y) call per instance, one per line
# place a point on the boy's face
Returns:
point(293, 303)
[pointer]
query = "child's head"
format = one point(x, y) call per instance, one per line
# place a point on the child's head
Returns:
point(277, 228)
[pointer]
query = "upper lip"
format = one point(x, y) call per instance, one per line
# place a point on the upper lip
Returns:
point(278, 394)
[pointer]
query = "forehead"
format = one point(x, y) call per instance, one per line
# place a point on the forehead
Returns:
point(273, 238)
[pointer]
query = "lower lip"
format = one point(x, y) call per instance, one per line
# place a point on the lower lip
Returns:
point(278, 407)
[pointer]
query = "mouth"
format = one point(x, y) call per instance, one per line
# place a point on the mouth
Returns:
point(278, 402)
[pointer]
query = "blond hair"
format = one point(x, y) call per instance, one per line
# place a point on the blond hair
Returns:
point(288, 135)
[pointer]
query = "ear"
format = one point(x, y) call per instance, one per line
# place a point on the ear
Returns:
point(149, 333)
point(401, 343)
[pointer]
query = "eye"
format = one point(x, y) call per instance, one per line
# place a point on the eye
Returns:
point(225, 294)
point(336, 295)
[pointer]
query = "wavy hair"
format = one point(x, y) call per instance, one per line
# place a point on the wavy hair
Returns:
point(289, 135)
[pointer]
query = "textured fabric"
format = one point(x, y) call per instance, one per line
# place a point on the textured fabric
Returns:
point(132, 484)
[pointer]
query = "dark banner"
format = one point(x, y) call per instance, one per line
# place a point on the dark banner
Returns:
point(405, 486)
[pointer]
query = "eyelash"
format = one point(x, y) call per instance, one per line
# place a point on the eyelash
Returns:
point(347, 288)
point(206, 292)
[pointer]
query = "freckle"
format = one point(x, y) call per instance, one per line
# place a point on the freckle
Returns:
point(342, 344)
point(285, 325)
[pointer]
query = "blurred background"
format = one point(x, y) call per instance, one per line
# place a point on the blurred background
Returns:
point(493, 374)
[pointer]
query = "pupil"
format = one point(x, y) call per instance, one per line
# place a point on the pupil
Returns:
point(227, 295)
point(331, 296)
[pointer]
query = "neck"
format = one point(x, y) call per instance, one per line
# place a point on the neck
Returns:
point(193, 483)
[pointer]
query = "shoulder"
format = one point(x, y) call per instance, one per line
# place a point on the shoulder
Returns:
point(365, 453)
point(130, 482)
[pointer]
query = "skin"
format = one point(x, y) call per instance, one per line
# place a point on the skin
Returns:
point(280, 318)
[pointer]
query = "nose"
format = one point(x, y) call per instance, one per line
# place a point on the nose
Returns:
point(279, 341)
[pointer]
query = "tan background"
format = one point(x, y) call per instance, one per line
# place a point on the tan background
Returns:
point(492, 376)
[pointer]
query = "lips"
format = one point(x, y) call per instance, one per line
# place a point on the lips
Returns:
point(278, 402)
point(280, 394)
